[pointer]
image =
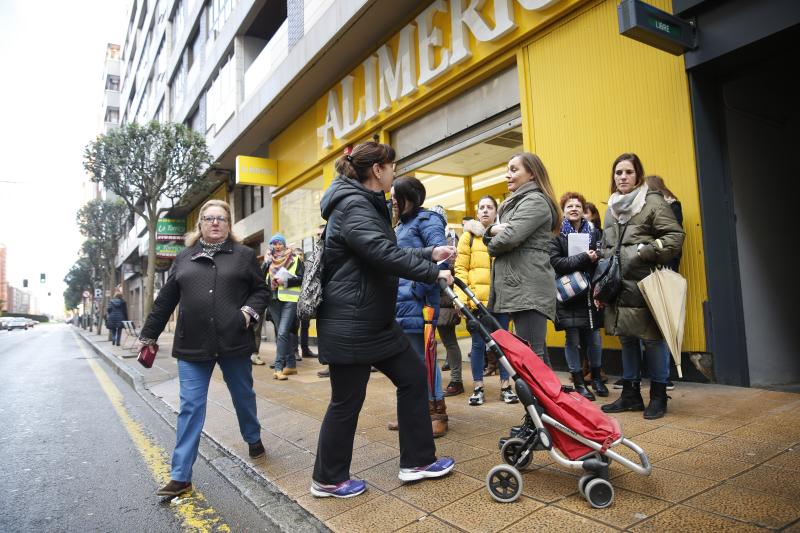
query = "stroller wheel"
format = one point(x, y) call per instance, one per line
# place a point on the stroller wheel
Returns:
point(586, 478)
point(504, 483)
point(512, 449)
point(599, 493)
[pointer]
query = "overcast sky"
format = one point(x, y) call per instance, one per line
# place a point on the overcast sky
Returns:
point(51, 57)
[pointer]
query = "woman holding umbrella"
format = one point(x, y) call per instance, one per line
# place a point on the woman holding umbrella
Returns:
point(641, 224)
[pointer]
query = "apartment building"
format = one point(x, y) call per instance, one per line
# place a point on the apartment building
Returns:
point(458, 87)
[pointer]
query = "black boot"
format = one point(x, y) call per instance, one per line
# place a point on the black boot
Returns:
point(658, 401)
point(597, 382)
point(580, 386)
point(629, 400)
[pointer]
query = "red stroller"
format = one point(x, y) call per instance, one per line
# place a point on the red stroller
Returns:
point(558, 420)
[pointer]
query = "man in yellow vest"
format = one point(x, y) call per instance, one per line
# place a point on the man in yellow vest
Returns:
point(284, 277)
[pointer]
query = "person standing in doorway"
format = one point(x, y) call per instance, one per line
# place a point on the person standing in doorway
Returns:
point(221, 293)
point(285, 276)
point(523, 281)
point(357, 327)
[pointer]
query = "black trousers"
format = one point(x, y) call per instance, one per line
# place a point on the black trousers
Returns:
point(348, 390)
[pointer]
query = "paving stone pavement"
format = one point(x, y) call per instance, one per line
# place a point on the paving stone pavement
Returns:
point(724, 458)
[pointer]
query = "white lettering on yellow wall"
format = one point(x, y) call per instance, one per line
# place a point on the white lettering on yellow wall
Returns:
point(389, 78)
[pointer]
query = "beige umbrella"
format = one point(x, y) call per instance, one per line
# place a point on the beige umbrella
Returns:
point(664, 290)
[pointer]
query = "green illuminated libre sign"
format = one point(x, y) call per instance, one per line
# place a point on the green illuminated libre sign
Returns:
point(666, 27)
point(170, 229)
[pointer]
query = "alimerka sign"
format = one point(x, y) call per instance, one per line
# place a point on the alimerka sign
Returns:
point(436, 41)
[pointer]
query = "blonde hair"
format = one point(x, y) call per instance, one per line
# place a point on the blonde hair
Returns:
point(534, 165)
point(191, 238)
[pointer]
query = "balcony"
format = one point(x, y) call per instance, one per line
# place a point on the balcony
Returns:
point(272, 55)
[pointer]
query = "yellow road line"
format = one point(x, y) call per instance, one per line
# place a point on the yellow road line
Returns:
point(193, 511)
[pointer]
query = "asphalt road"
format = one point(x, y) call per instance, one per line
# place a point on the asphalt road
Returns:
point(81, 451)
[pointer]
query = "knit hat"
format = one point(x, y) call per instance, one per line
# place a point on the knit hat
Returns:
point(278, 238)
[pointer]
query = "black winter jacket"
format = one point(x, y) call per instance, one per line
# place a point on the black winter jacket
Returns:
point(362, 263)
point(117, 312)
point(579, 312)
point(211, 293)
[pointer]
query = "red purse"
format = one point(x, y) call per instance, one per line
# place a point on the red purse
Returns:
point(147, 354)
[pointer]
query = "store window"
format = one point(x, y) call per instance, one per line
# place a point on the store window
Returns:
point(298, 214)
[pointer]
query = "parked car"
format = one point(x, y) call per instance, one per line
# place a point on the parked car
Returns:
point(3, 323)
point(17, 322)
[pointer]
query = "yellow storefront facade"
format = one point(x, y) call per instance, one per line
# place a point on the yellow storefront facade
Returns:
point(465, 84)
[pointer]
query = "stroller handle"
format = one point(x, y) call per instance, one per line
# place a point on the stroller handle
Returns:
point(461, 306)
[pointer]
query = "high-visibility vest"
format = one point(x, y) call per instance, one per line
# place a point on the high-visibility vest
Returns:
point(290, 294)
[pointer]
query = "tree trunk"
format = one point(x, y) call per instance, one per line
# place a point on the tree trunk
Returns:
point(150, 280)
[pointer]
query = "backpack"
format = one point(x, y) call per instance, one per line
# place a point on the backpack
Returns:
point(311, 289)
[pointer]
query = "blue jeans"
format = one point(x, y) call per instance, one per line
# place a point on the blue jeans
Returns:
point(477, 356)
point(657, 355)
point(194, 377)
point(116, 335)
point(283, 315)
point(418, 343)
point(594, 350)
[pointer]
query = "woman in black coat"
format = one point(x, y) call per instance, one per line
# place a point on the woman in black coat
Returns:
point(356, 322)
point(222, 294)
point(116, 314)
point(578, 316)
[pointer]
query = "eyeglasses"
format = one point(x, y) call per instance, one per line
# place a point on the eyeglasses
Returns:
point(624, 171)
point(211, 220)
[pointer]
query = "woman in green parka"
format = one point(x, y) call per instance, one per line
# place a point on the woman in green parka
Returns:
point(651, 237)
point(523, 281)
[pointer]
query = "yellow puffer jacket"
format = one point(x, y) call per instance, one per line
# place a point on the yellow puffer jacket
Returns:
point(473, 266)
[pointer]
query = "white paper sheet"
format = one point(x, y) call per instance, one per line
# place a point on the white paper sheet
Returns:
point(578, 243)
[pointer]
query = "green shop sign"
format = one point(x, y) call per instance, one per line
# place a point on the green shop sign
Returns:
point(170, 229)
point(168, 250)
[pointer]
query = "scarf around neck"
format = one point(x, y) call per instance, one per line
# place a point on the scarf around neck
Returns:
point(585, 227)
point(211, 248)
point(283, 259)
point(625, 206)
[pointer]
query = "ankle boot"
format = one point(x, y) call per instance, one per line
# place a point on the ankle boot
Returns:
point(629, 400)
point(491, 365)
point(597, 382)
point(580, 386)
point(658, 401)
point(438, 412)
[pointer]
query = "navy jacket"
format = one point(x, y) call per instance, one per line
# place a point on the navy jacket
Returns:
point(421, 229)
point(117, 312)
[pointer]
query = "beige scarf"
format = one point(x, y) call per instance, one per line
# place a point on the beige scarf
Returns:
point(625, 206)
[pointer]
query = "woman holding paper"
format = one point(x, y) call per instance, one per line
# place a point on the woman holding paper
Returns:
point(641, 224)
point(523, 281)
point(575, 250)
point(285, 277)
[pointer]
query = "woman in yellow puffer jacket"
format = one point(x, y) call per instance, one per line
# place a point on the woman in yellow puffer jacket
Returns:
point(473, 266)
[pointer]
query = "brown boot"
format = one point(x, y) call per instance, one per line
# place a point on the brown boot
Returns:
point(491, 364)
point(438, 411)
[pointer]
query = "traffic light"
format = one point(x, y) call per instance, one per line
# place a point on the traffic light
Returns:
point(42, 278)
point(24, 283)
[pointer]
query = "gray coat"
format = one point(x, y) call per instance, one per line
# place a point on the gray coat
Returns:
point(522, 277)
point(629, 314)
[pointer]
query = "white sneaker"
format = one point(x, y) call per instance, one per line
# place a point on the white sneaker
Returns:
point(256, 359)
point(508, 396)
point(477, 396)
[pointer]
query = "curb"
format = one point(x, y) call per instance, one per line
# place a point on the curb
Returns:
point(273, 504)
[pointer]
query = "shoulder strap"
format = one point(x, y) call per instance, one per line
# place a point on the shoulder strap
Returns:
point(619, 241)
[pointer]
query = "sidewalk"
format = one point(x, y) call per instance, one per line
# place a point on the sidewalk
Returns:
point(724, 458)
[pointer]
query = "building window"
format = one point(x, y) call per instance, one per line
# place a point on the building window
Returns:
point(112, 83)
point(112, 115)
point(298, 213)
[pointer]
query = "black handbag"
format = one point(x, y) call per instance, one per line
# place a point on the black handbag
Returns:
point(607, 279)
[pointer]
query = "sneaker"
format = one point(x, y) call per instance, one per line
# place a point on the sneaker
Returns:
point(345, 489)
point(256, 449)
point(670, 385)
point(324, 373)
point(289, 371)
point(508, 396)
point(440, 468)
point(175, 488)
point(477, 396)
point(256, 359)
point(280, 376)
point(618, 384)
